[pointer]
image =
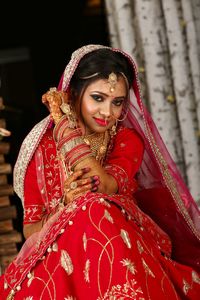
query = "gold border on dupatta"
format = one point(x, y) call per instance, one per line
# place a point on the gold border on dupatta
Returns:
point(170, 183)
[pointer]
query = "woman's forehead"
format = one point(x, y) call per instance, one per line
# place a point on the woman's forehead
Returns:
point(104, 86)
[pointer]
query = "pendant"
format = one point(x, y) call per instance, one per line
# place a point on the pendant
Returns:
point(86, 141)
point(102, 149)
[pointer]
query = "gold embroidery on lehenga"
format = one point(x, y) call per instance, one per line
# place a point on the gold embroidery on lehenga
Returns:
point(125, 238)
point(84, 241)
point(139, 246)
point(147, 269)
point(108, 216)
point(104, 202)
point(31, 277)
point(71, 207)
point(186, 287)
point(107, 249)
point(69, 298)
point(121, 291)
point(129, 264)
point(195, 277)
point(86, 271)
point(11, 295)
point(66, 262)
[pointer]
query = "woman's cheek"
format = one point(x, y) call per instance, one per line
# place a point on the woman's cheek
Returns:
point(117, 113)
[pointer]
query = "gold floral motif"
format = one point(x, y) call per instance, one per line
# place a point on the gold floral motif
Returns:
point(84, 241)
point(71, 207)
point(140, 248)
point(31, 277)
point(66, 262)
point(108, 216)
point(129, 264)
point(121, 291)
point(125, 238)
point(86, 271)
point(147, 269)
point(104, 202)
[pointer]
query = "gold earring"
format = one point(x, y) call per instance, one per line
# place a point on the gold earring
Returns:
point(67, 110)
point(113, 130)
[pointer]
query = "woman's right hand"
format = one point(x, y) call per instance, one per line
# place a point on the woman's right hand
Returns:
point(75, 185)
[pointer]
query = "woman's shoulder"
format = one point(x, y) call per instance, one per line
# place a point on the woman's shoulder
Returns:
point(129, 134)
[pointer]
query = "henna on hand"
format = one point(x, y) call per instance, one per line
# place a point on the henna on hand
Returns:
point(54, 100)
point(76, 186)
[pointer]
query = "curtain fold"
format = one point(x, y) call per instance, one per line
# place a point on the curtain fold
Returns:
point(164, 37)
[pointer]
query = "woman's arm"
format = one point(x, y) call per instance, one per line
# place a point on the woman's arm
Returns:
point(108, 184)
point(125, 158)
point(29, 229)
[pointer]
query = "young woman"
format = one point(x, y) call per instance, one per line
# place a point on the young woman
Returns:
point(106, 213)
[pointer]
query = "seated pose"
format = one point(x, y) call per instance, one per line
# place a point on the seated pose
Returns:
point(106, 212)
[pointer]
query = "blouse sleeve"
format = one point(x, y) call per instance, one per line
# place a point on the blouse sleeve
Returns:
point(125, 159)
point(33, 204)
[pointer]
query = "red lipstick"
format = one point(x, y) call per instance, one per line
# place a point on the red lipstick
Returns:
point(101, 122)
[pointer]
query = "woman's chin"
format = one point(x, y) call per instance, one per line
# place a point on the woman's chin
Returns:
point(97, 129)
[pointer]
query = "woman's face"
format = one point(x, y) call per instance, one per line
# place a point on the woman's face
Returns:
point(101, 106)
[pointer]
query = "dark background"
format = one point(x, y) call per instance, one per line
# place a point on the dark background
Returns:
point(35, 45)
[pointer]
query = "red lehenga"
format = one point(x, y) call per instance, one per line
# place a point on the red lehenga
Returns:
point(142, 243)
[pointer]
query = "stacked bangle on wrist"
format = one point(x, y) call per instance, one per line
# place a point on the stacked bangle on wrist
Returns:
point(72, 148)
point(60, 128)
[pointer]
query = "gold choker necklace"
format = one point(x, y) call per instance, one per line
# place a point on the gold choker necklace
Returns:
point(98, 143)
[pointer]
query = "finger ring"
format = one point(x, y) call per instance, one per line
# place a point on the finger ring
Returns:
point(73, 185)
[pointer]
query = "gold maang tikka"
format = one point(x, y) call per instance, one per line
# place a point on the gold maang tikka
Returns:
point(112, 80)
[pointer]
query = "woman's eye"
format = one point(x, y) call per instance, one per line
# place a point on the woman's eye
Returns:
point(97, 98)
point(117, 102)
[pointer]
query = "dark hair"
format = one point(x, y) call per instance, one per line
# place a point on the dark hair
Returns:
point(103, 62)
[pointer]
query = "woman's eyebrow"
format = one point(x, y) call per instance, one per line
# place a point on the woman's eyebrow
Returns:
point(104, 94)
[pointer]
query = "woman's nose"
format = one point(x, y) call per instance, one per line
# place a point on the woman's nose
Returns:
point(106, 110)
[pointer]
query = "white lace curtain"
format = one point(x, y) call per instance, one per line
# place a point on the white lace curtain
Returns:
point(164, 38)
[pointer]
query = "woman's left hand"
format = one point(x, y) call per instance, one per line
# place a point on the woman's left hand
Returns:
point(53, 99)
point(76, 185)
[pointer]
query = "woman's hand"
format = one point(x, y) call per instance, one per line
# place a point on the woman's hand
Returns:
point(76, 185)
point(54, 100)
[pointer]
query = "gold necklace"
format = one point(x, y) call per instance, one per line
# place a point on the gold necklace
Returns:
point(98, 143)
